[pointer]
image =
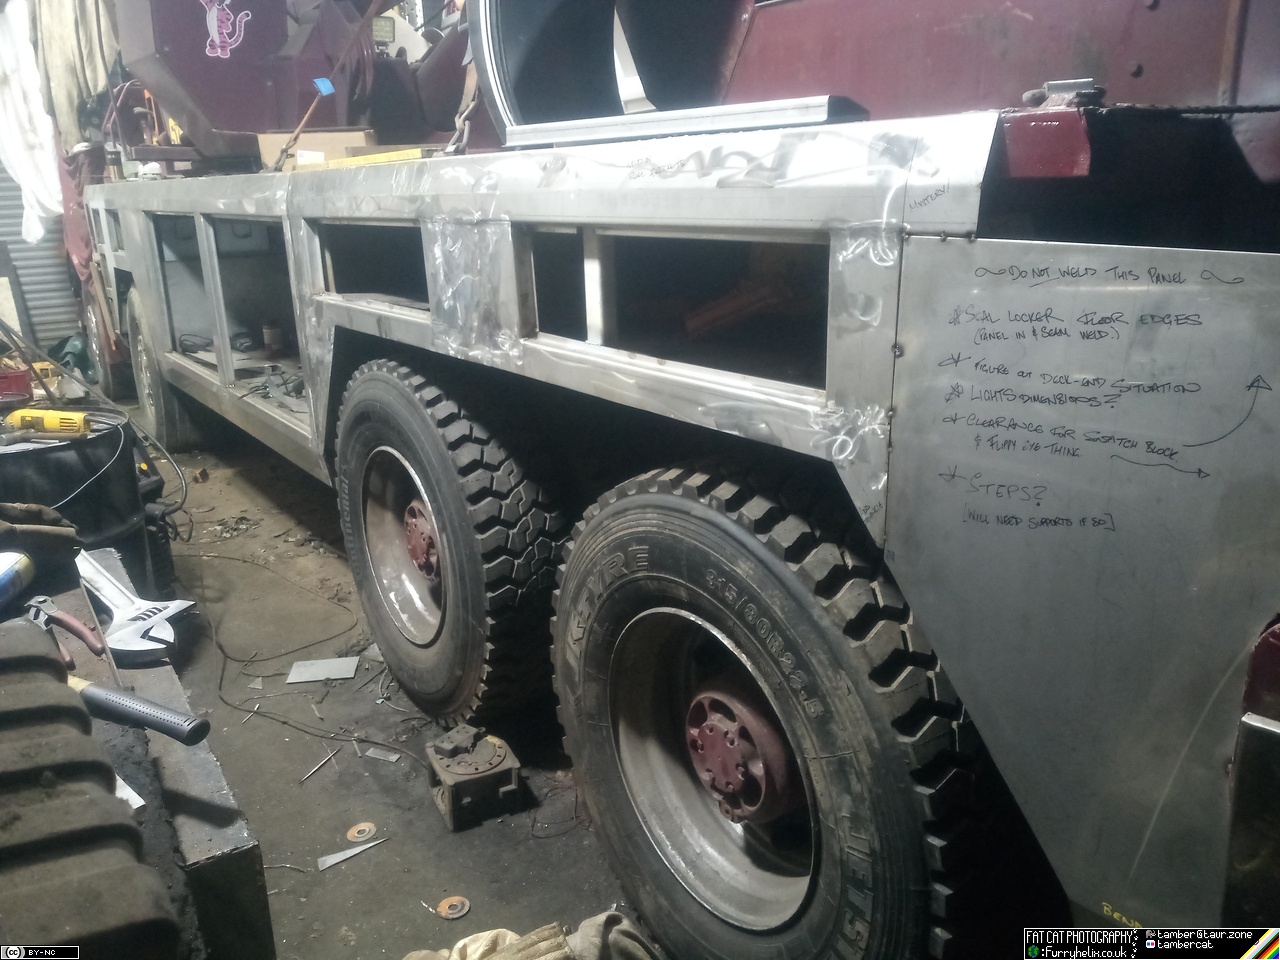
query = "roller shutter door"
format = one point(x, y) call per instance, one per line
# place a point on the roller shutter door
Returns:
point(42, 267)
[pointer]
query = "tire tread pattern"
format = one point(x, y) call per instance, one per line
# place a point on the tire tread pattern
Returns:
point(813, 533)
point(170, 418)
point(520, 536)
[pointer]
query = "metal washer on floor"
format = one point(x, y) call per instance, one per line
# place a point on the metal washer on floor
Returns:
point(451, 908)
point(361, 831)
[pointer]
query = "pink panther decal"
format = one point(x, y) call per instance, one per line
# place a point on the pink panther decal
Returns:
point(220, 23)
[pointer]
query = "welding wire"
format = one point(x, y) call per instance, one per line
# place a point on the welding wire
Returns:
point(320, 764)
point(245, 664)
point(250, 716)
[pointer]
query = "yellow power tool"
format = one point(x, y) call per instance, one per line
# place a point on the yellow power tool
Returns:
point(48, 421)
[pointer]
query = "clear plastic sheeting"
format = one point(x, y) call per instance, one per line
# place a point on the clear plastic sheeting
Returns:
point(471, 260)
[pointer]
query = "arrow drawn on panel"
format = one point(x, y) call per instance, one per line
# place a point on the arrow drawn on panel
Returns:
point(1197, 472)
point(1253, 386)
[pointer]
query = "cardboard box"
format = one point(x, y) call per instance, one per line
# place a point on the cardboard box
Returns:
point(314, 146)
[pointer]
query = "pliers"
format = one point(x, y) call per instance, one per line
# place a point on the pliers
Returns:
point(43, 612)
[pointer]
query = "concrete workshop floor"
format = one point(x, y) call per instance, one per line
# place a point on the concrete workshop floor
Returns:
point(266, 565)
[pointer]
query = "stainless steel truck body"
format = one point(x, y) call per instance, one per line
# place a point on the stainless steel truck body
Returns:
point(1064, 439)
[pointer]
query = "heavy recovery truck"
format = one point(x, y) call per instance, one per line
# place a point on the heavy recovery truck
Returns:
point(838, 453)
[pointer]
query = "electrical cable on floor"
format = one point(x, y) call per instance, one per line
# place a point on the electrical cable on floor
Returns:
point(575, 821)
point(174, 532)
point(355, 622)
point(182, 476)
point(310, 730)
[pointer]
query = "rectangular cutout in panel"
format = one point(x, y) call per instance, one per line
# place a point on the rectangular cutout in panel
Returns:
point(742, 306)
point(257, 298)
point(113, 231)
point(191, 318)
point(559, 286)
point(384, 260)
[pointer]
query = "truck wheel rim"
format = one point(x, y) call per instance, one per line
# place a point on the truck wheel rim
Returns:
point(405, 551)
point(93, 332)
point(146, 396)
point(739, 753)
point(749, 857)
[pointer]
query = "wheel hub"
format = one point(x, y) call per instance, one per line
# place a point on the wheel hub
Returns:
point(420, 537)
point(672, 674)
point(406, 551)
point(739, 754)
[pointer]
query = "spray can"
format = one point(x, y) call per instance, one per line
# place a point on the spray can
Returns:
point(16, 573)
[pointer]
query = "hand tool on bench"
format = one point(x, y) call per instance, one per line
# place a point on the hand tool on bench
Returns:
point(44, 613)
point(117, 706)
point(139, 628)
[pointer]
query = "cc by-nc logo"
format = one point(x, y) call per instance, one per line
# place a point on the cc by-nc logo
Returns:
point(14, 953)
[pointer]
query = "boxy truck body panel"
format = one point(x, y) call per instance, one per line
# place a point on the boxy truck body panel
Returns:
point(1067, 451)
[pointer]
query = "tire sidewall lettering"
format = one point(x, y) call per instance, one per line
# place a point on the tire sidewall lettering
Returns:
point(755, 622)
point(739, 602)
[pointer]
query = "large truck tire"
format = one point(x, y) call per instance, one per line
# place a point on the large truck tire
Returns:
point(775, 771)
point(164, 413)
point(452, 546)
point(71, 869)
point(112, 379)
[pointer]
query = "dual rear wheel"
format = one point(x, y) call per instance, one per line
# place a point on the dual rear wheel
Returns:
point(772, 766)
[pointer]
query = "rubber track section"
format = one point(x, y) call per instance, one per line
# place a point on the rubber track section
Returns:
point(797, 519)
point(521, 536)
point(69, 850)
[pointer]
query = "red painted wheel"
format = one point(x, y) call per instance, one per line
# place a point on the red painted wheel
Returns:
point(422, 540)
point(452, 546)
point(740, 753)
point(732, 698)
